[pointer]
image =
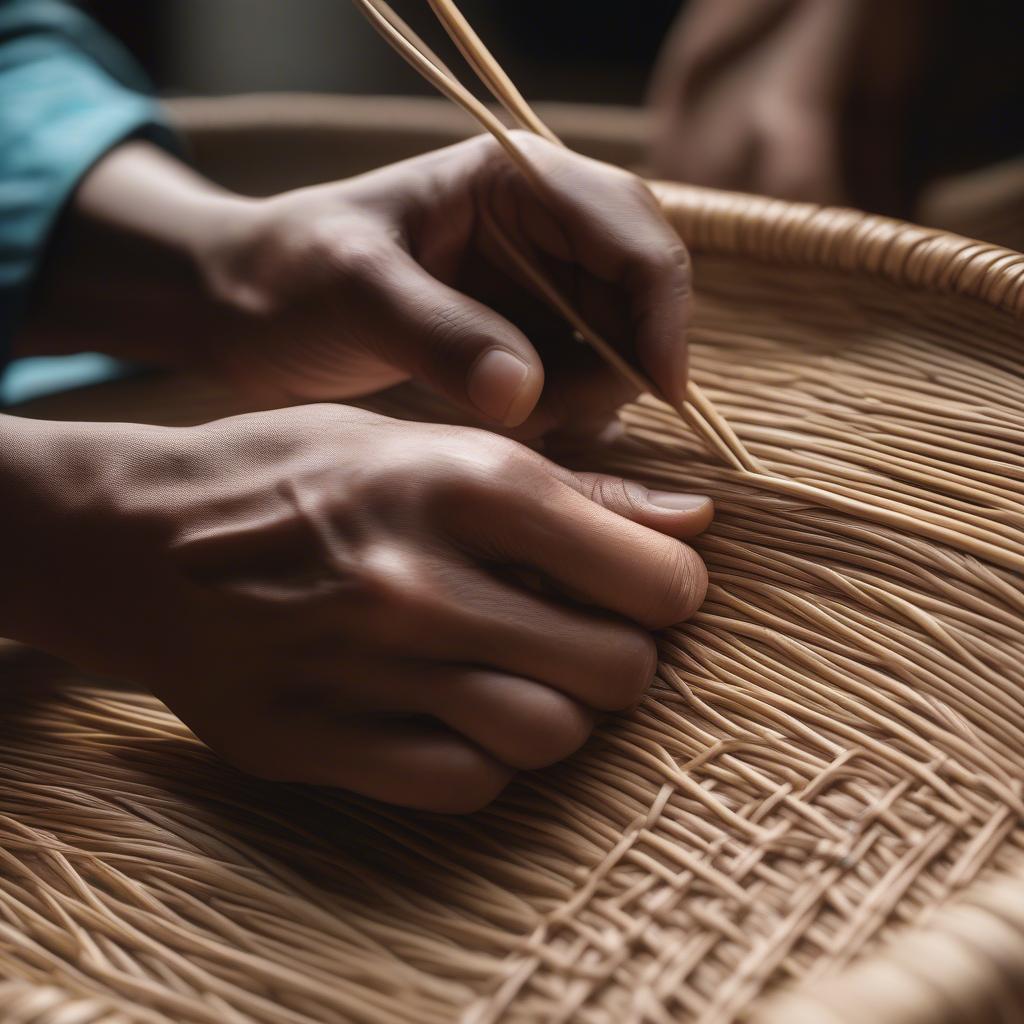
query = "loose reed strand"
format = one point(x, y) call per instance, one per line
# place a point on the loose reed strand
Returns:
point(488, 70)
point(390, 26)
point(725, 444)
point(695, 417)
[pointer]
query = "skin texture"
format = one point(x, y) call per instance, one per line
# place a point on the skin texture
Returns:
point(413, 612)
point(800, 99)
point(326, 595)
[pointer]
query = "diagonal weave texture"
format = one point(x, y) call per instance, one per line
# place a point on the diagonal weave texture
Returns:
point(834, 747)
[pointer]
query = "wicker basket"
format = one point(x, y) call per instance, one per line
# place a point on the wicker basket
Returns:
point(681, 868)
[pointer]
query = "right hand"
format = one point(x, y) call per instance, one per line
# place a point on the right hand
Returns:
point(330, 596)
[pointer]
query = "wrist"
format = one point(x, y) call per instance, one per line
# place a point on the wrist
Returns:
point(182, 228)
point(58, 480)
point(150, 222)
point(24, 445)
point(143, 197)
point(81, 503)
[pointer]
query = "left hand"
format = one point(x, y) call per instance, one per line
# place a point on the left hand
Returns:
point(342, 289)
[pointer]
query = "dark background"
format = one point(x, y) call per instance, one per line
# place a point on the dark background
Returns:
point(598, 52)
point(967, 109)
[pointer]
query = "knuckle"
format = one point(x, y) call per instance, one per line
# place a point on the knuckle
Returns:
point(477, 472)
point(363, 259)
point(615, 492)
point(486, 147)
point(498, 453)
point(390, 578)
point(639, 190)
point(495, 455)
point(317, 419)
point(670, 260)
point(677, 256)
point(631, 670)
point(554, 735)
point(521, 135)
point(450, 328)
point(680, 590)
point(665, 266)
point(315, 242)
point(528, 142)
point(475, 785)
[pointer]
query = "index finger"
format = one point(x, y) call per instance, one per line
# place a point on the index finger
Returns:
point(608, 222)
point(589, 552)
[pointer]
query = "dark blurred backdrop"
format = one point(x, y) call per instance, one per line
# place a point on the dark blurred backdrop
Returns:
point(598, 52)
point(961, 108)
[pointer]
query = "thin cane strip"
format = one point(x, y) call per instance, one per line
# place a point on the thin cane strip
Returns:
point(727, 446)
point(992, 711)
point(957, 532)
point(488, 70)
point(391, 27)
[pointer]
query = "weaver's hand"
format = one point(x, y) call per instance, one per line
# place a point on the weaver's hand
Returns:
point(353, 286)
point(325, 595)
point(342, 289)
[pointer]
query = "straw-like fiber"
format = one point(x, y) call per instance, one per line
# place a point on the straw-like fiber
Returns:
point(833, 752)
point(807, 235)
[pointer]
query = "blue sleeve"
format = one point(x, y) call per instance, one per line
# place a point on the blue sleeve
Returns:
point(68, 94)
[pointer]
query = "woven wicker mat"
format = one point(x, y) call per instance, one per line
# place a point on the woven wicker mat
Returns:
point(737, 834)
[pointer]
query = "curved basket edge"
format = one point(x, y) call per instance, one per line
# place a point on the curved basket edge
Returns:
point(838, 238)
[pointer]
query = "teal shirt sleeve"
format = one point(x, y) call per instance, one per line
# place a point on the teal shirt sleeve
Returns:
point(68, 94)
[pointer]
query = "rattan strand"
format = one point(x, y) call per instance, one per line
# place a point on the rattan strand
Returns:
point(697, 410)
point(834, 748)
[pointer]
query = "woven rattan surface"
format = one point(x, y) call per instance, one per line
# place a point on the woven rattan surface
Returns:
point(834, 748)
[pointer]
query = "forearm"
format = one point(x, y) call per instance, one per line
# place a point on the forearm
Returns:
point(67, 511)
point(22, 442)
point(129, 271)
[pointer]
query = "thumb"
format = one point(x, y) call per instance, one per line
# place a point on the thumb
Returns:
point(458, 346)
point(673, 513)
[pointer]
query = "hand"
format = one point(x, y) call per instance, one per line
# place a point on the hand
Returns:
point(330, 596)
point(342, 289)
point(350, 287)
point(799, 99)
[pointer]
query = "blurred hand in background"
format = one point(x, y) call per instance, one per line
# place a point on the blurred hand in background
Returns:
point(859, 102)
point(800, 99)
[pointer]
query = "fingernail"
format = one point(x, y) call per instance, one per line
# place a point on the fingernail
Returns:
point(678, 502)
point(496, 386)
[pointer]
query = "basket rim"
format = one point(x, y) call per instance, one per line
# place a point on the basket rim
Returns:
point(710, 220)
point(842, 238)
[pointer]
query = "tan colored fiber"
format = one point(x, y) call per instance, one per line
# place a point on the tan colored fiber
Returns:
point(820, 801)
point(695, 411)
point(410, 47)
point(488, 70)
